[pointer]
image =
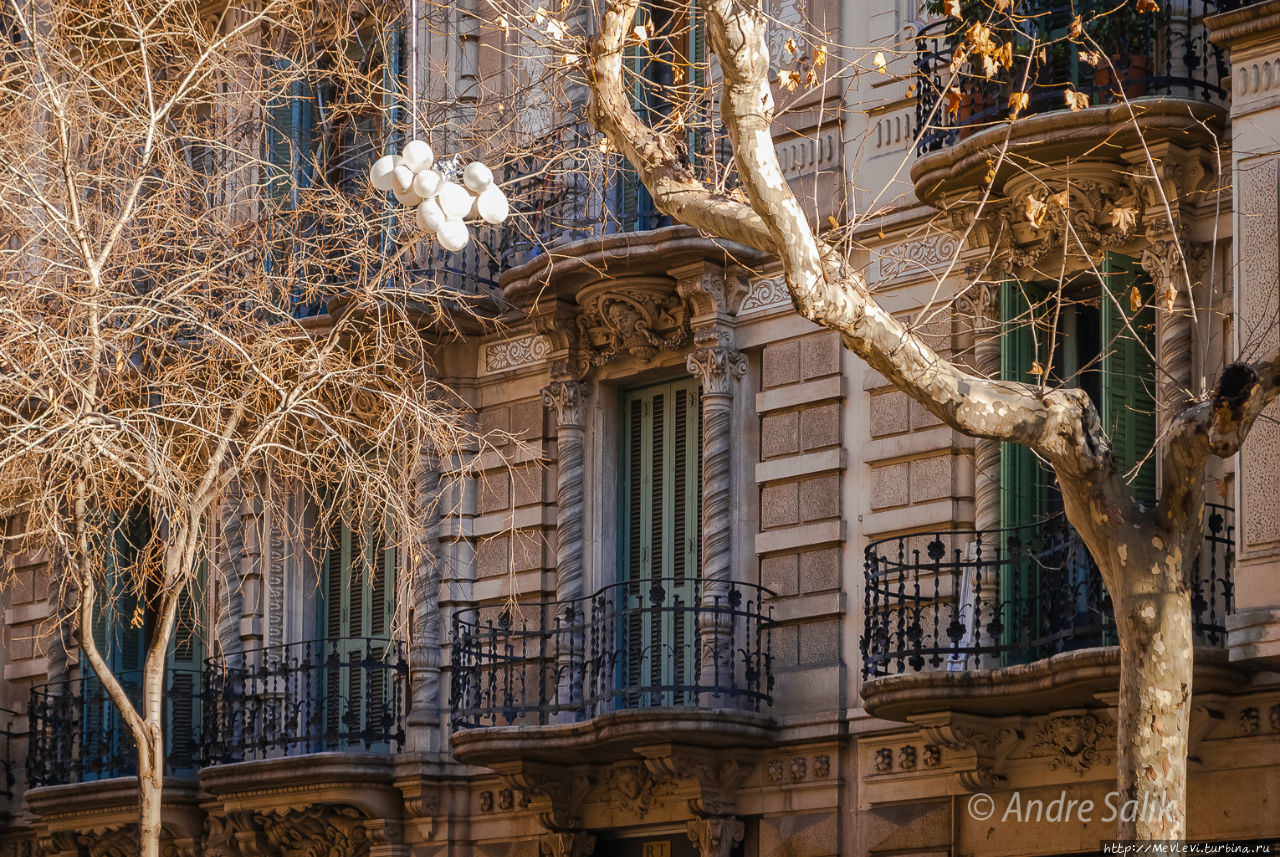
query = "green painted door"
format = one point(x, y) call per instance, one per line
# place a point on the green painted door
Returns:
point(661, 514)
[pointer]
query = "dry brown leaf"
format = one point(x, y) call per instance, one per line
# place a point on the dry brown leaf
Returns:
point(1061, 199)
point(952, 8)
point(1124, 218)
point(1076, 100)
point(953, 99)
point(835, 224)
point(1093, 58)
point(1035, 211)
point(819, 56)
point(1003, 5)
point(1135, 299)
point(1005, 55)
point(791, 46)
point(1018, 102)
point(1036, 368)
point(1148, 6)
point(1168, 298)
point(880, 63)
point(1076, 29)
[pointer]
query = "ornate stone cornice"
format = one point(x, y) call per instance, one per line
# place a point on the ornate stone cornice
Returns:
point(717, 367)
point(556, 792)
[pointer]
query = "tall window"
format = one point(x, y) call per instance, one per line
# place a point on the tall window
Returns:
point(667, 79)
point(660, 544)
point(1095, 340)
point(357, 610)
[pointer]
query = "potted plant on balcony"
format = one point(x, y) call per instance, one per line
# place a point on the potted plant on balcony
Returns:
point(1123, 42)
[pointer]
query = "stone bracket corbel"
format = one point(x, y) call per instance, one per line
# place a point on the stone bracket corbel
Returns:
point(983, 744)
point(712, 777)
point(556, 792)
point(1208, 711)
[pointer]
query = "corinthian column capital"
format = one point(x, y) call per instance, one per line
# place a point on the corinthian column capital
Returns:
point(716, 367)
point(569, 400)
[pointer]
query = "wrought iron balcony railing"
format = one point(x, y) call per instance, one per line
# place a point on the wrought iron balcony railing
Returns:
point(7, 778)
point(77, 735)
point(660, 642)
point(968, 600)
point(323, 695)
point(1165, 53)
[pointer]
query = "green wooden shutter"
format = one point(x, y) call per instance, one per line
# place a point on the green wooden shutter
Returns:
point(1024, 482)
point(186, 659)
point(661, 540)
point(1128, 372)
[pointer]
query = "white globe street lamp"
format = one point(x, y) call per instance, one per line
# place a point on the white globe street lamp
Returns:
point(444, 195)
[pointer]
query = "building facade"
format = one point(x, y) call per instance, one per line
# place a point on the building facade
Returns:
point(720, 589)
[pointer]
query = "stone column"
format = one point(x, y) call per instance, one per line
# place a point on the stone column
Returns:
point(568, 399)
point(426, 626)
point(1174, 268)
point(981, 304)
point(716, 367)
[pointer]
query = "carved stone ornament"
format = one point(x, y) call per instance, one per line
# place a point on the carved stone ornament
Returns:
point(568, 400)
point(632, 789)
point(577, 843)
point(1075, 216)
point(713, 778)
point(1073, 742)
point(636, 317)
point(555, 792)
point(716, 836)
point(821, 766)
point(1249, 722)
point(884, 760)
point(314, 831)
point(907, 757)
point(716, 368)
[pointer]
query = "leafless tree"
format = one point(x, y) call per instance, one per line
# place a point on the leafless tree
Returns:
point(197, 301)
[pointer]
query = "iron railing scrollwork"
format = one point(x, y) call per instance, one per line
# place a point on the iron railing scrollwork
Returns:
point(660, 642)
point(77, 734)
point(967, 600)
point(321, 695)
point(1127, 52)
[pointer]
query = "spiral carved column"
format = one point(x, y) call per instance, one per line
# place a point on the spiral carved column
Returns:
point(716, 367)
point(981, 305)
point(1173, 267)
point(427, 633)
point(568, 400)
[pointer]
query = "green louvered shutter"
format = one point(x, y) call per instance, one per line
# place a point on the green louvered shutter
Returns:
point(661, 507)
point(1024, 480)
point(357, 605)
point(1024, 483)
point(1128, 372)
point(186, 659)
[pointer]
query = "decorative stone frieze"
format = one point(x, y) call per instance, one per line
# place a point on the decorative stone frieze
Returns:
point(516, 353)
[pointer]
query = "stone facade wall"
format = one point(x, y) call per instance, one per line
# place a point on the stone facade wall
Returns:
point(801, 528)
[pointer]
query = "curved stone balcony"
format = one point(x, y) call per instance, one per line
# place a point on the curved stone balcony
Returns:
point(660, 659)
point(990, 621)
point(1155, 74)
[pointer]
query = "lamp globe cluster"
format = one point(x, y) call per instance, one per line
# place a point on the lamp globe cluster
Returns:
point(444, 196)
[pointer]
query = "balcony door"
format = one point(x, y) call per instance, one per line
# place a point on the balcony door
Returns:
point(660, 545)
point(1104, 346)
point(357, 608)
